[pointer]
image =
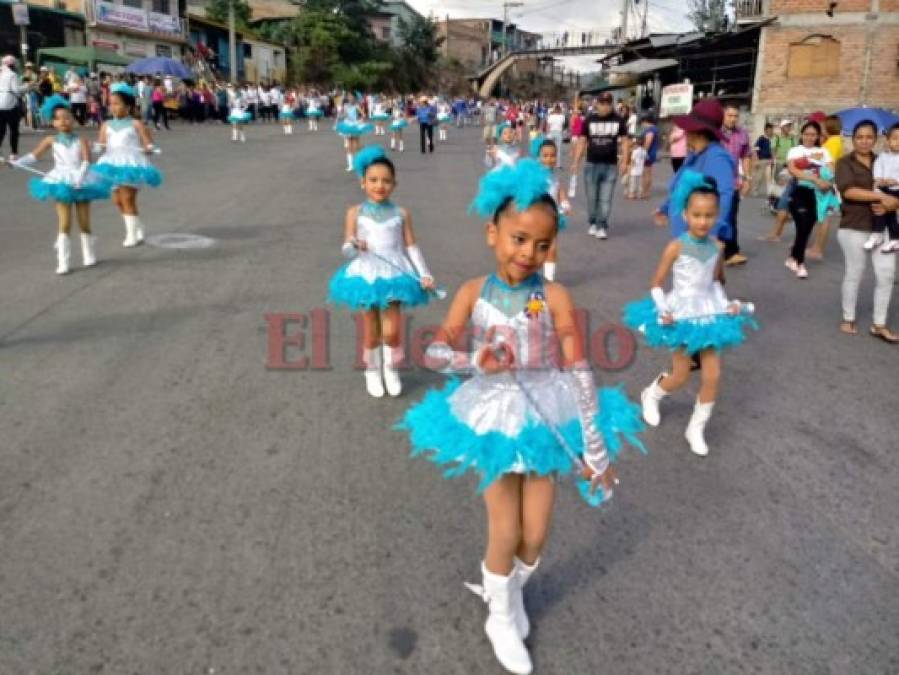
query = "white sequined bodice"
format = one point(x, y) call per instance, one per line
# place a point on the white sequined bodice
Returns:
point(67, 155)
point(122, 137)
point(693, 280)
point(381, 227)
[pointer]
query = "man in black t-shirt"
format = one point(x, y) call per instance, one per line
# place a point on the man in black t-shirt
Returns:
point(600, 136)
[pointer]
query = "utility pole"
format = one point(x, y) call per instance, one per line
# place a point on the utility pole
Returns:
point(625, 6)
point(506, 5)
point(232, 43)
point(643, 30)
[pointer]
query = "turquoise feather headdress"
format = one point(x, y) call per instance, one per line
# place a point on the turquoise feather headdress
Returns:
point(51, 104)
point(687, 183)
point(524, 183)
point(122, 88)
point(365, 157)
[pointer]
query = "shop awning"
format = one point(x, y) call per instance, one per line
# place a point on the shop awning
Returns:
point(83, 56)
point(642, 66)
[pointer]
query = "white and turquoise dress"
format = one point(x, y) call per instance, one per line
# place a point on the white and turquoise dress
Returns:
point(60, 182)
point(554, 193)
point(368, 281)
point(444, 115)
point(238, 113)
point(286, 113)
point(399, 119)
point(312, 109)
point(352, 123)
point(380, 114)
point(698, 305)
point(488, 425)
point(124, 162)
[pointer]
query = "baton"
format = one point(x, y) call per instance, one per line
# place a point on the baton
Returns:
point(16, 165)
point(439, 292)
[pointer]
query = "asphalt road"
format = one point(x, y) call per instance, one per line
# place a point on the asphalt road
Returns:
point(170, 505)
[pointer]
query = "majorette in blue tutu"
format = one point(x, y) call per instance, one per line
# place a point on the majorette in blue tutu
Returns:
point(379, 115)
point(397, 125)
point(545, 151)
point(125, 161)
point(695, 320)
point(530, 410)
point(502, 151)
point(313, 111)
point(352, 126)
point(386, 271)
point(71, 182)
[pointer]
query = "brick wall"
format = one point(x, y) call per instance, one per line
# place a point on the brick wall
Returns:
point(782, 7)
point(779, 94)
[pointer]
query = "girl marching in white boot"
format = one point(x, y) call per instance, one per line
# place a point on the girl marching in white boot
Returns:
point(70, 183)
point(239, 116)
point(313, 111)
point(695, 320)
point(286, 115)
point(124, 162)
point(386, 270)
point(379, 116)
point(352, 126)
point(444, 118)
point(522, 418)
point(545, 150)
point(397, 125)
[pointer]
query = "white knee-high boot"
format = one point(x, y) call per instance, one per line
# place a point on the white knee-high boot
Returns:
point(372, 360)
point(391, 375)
point(651, 397)
point(501, 627)
point(401, 145)
point(393, 143)
point(696, 428)
point(130, 231)
point(522, 572)
point(88, 253)
point(243, 136)
point(63, 253)
point(349, 161)
point(234, 133)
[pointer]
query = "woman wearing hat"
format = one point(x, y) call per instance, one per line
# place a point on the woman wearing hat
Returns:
point(708, 157)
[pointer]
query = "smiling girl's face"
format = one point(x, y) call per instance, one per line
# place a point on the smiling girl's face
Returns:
point(378, 183)
point(521, 240)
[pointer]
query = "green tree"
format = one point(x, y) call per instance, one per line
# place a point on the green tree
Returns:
point(217, 10)
point(708, 15)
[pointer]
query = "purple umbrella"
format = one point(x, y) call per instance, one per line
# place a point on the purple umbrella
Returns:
point(159, 65)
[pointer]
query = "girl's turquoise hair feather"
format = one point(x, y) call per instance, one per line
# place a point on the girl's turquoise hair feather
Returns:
point(51, 104)
point(524, 184)
point(365, 157)
point(500, 128)
point(689, 182)
point(535, 145)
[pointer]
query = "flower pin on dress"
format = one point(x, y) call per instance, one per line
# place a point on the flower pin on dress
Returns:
point(535, 304)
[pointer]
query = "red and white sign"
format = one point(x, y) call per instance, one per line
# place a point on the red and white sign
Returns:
point(677, 99)
point(106, 44)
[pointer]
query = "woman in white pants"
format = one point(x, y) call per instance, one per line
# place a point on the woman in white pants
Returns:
point(855, 181)
point(555, 125)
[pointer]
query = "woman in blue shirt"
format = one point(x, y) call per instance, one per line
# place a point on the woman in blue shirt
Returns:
point(708, 157)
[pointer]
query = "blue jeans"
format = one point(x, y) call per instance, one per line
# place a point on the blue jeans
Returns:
point(599, 186)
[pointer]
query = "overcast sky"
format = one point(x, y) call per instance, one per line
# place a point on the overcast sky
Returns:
point(574, 16)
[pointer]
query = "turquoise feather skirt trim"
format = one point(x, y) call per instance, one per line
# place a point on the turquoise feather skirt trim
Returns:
point(63, 192)
point(398, 124)
point(130, 175)
point(436, 433)
point(691, 335)
point(380, 117)
point(314, 113)
point(345, 128)
point(284, 116)
point(355, 292)
point(240, 118)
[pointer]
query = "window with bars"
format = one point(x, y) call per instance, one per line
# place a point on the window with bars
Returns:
point(162, 6)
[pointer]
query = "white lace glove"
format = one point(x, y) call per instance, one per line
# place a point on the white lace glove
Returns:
point(27, 160)
point(418, 261)
point(658, 297)
point(442, 358)
point(349, 250)
point(82, 173)
point(595, 455)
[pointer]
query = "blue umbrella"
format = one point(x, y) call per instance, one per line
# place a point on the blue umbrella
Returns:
point(884, 119)
point(159, 65)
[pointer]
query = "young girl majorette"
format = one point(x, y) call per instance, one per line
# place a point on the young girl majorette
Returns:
point(352, 126)
point(444, 117)
point(695, 320)
point(505, 422)
point(397, 125)
point(286, 115)
point(387, 270)
point(239, 115)
point(504, 153)
point(545, 150)
point(379, 115)
point(124, 162)
point(70, 181)
point(313, 112)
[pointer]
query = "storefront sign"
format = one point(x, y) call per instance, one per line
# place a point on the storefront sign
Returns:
point(105, 44)
point(164, 23)
point(121, 15)
point(677, 99)
point(20, 14)
point(135, 48)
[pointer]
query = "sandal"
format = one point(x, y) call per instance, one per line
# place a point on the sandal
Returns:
point(885, 334)
point(848, 327)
